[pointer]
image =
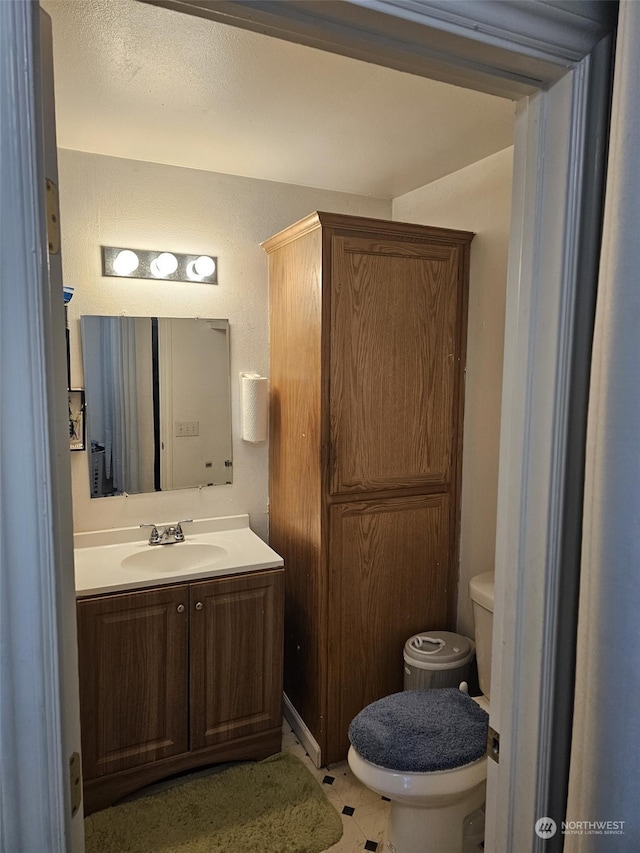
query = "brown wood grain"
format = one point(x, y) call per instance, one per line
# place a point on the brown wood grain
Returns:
point(236, 657)
point(388, 580)
point(295, 473)
point(368, 336)
point(393, 367)
point(133, 664)
point(162, 690)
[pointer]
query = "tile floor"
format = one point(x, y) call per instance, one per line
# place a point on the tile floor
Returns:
point(363, 812)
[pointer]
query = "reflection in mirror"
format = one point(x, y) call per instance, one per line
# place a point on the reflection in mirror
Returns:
point(158, 403)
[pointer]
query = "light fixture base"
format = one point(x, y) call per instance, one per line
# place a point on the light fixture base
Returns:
point(188, 267)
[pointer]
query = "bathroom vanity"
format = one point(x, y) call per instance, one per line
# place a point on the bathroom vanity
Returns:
point(180, 660)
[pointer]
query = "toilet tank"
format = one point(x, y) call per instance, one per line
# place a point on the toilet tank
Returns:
point(481, 592)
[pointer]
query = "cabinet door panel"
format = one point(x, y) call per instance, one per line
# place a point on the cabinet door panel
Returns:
point(395, 350)
point(388, 580)
point(133, 666)
point(236, 657)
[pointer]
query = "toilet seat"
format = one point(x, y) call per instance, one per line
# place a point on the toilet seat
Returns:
point(421, 731)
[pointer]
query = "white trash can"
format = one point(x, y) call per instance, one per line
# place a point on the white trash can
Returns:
point(437, 659)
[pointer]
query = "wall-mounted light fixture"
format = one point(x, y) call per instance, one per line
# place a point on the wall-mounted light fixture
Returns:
point(168, 266)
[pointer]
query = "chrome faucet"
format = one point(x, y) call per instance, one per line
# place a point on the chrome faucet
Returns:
point(168, 535)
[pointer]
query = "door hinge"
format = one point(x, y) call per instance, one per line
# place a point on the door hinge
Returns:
point(75, 782)
point(493, 744)
point(53, 217)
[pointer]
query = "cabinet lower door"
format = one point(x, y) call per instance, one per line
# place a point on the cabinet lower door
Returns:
point(133, 667)
point(236, 657)
point(388, 579)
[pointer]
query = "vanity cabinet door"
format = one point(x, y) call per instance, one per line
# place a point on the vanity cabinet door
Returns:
point(236, 657)
point(133, 667)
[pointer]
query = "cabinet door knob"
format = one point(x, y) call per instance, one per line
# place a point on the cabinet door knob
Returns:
point(199, 605)
point(180, 608)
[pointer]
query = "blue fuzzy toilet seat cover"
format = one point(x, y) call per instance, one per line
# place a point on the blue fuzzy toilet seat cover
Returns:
point(419, 731)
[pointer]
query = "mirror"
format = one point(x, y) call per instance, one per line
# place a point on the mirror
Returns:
point(158, 403)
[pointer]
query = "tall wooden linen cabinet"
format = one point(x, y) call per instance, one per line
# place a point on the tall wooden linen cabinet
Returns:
point(368, 329)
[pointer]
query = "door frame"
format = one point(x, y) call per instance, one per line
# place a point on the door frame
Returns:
point(555, 60)
point(39, 703)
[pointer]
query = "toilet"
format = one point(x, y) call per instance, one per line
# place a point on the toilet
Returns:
point(425, 750)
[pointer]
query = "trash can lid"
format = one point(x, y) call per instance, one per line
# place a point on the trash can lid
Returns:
point(438, 650)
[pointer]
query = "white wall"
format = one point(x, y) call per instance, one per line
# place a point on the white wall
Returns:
point(112, 201)
point(478, 199)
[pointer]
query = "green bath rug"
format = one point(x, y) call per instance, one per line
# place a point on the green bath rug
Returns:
point(271, 806)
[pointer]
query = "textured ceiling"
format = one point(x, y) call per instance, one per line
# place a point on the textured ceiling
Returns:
point(146, 83)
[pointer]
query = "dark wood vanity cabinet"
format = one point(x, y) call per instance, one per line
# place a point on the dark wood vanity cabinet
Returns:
point(176, 677)
point(367, 329)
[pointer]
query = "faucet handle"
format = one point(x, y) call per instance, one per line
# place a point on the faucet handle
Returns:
point(179, 534)
point(154, 537)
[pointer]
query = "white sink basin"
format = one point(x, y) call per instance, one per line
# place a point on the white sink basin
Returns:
point(177, 557)
point(113, 560)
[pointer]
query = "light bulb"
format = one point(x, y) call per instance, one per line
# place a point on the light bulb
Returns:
point(204, 266)
point(165, 264)
point(125, 262)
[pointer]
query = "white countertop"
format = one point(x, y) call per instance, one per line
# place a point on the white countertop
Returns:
point(122, 559)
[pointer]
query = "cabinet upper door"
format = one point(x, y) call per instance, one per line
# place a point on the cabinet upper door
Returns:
point(398, 314)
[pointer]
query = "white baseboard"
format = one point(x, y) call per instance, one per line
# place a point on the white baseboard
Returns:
point(301, 731)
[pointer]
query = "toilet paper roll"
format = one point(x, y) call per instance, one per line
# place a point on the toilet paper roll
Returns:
point(255, 407)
